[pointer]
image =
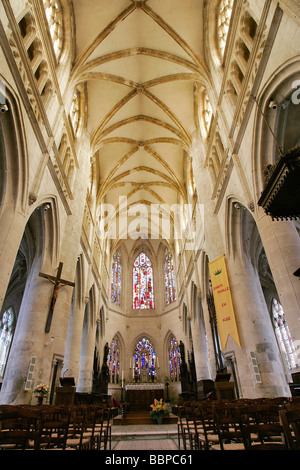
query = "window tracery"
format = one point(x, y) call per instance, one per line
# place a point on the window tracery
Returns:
point(174, 360)
point(75, 112)
point(54, 17)
point(7, 326)
point(145, 361)
point(143, 283)
point(169, 274)
point(284, 336)
point(207, 113)
point(116, 279)
point(225, 12)
point(113, 361)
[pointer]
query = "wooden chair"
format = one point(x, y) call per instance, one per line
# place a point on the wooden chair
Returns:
point(106, 428)
point(53, 429)
point(191, 426)
point(182, 427)
point(200, 428)
point(229, 427)
point(208, 433)
point(290, 421)
point(263, 430)
point(18, 429)
point(78, 438)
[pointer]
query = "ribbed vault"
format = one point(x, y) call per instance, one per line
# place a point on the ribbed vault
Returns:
point(141, 62)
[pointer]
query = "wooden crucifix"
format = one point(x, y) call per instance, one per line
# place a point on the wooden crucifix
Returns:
point(58, 282)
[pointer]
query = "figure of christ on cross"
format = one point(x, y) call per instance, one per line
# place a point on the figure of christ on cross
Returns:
point(58, 282)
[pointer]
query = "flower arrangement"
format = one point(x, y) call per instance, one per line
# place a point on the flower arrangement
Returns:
point(41, 389)
point(159, 408)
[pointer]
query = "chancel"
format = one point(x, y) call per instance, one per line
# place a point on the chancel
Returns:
point(149, 244)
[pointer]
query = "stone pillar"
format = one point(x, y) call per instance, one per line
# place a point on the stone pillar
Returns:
point(86, 363)
point(282, 246)
point(29, 340)
point(256, 335)
point(12, 230)
point(73, 343)
point(213, 245)
point(200, 344)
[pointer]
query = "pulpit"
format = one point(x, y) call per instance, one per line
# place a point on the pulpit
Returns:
point(65, 394)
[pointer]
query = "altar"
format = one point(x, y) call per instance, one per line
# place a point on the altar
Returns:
point(141, 395)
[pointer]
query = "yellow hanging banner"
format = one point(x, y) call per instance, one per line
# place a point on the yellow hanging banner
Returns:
point(223, 301)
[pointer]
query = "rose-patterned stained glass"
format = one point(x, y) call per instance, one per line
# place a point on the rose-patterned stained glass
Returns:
point(174, 360)
point(113, 362)
point(144, 361)
point(143, 283)
point(116, 270)
point(170, 287)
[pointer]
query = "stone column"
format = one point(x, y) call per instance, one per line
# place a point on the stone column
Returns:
point(29, 339)
point(214, 245)
point(12, 230)
point(282, 246)
point(200, 344)
point(73, 343)
point(86, 363)
point(256, 335)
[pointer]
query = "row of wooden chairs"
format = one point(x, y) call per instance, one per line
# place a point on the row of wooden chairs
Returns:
point(78, 427)
point(267, 424)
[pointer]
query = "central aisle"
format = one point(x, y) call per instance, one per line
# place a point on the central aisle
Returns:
point(145, 437)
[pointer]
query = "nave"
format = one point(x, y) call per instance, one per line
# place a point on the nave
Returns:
point(216, 425)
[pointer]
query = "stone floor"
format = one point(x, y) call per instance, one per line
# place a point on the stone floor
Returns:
point(145, 437)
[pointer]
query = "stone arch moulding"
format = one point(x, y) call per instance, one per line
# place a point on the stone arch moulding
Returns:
point(121, 345)
point(49, 205)
point(80, 280)
point(243, 239)
point(278, 89)
point(138, 338)
point(14, 149)
point(232, 239)
point(92, 305)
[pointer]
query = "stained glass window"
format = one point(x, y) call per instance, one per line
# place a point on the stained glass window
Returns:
point(174, 360)
point(142, 283)
point(207, 112)
point(75, 111)
point(170, 287)
point(284, 336)
point(145, 362)
point(113, 362)
point(225, 11)
point(7, 326)
point(116, 269)
point(54, 17)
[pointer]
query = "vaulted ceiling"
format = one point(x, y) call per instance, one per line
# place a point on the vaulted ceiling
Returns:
point(140, 62)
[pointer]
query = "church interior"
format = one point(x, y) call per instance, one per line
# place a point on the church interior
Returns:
point(150, 207)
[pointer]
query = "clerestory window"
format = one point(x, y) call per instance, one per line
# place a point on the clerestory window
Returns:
point(143, 283)
point(224, 17)
point(53, 12)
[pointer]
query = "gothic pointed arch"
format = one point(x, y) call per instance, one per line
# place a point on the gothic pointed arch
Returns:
point(143, 282)
point(276, 117)
point(13, 153)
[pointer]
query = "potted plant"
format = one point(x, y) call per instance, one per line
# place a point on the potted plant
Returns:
point(41, 391)
point(159, 411)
